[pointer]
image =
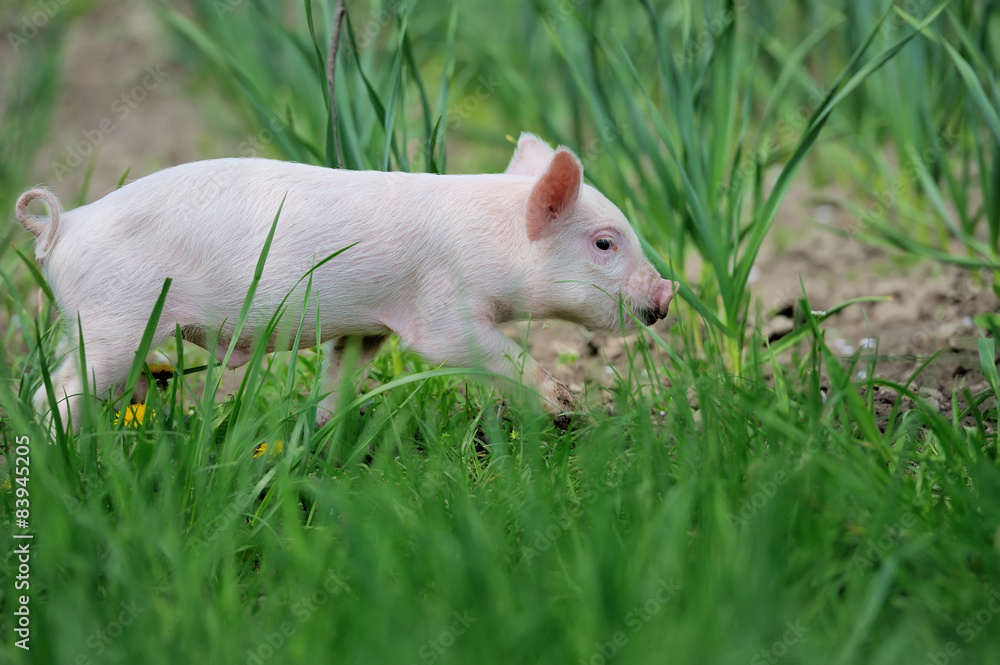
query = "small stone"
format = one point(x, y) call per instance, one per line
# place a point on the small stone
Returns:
point(778, 327)
point(823, 214)
point(692, 397)
point(933, 396)
point(844, 348)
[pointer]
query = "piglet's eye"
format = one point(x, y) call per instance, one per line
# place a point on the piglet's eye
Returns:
point(603, 243)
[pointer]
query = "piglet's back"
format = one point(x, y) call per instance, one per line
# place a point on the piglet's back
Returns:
point(204, 225)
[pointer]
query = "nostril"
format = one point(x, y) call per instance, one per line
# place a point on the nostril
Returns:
point(667, 296)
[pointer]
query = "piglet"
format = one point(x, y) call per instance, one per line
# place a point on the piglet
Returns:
point(440, 260)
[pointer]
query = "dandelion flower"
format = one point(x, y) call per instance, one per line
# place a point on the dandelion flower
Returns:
point(134, 415)
point(162, 372)
point(261, 448)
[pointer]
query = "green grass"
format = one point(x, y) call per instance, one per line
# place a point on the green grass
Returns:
point(721, 502)
point(770, 506)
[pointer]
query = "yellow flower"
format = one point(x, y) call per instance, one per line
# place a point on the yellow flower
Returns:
point(134, 415)
point(261, 448)
point(162, 372)
point(5, 485)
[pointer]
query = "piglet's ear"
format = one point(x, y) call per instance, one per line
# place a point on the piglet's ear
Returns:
point(553, 198)
point(531, 157)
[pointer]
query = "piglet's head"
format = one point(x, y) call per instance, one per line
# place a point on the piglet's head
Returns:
point(585, 254)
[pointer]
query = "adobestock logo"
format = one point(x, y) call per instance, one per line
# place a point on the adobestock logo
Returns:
point(778, 649)
point(976, 623)
point(968, 629)
point(712, 31)
point(751, 505)
point(635, 620)
point(303, 610)
point(100, 640)
point(31, 25)
point(121, 108)
point(435, 648)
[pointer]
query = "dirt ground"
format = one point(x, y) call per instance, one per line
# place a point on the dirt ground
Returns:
point(932, 306)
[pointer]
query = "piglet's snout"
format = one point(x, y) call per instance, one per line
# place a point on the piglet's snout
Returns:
point(659, 295)
point(663, 292)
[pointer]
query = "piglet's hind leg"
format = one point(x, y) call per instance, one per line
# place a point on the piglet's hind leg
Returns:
point(108, 364)
point(369, 346)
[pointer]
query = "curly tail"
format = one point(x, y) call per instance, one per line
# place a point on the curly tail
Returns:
point(43, 229)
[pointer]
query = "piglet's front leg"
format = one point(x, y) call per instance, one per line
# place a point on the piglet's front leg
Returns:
point(489, 348)
point(503, 356)
point(558, 398)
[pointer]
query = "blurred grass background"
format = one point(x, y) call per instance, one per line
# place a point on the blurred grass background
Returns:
point(740, 503)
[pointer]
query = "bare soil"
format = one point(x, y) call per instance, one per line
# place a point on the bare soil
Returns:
point(930, 309)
